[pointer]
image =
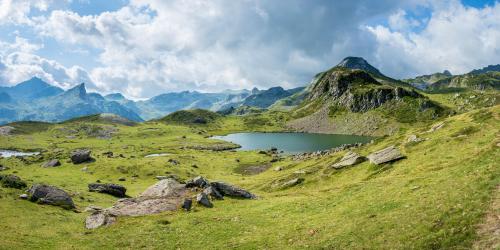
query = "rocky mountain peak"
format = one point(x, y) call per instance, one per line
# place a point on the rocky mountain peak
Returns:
point(78, 90)
point(447, 73)
point(358, 63)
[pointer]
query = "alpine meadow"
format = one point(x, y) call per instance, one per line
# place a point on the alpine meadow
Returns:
point(218, 124)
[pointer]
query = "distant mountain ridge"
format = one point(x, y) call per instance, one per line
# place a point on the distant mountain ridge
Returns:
point(37, 100)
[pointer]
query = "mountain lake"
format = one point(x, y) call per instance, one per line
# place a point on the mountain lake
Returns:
point(291, 143)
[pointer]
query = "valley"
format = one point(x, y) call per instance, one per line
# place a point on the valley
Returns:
point(426, 175)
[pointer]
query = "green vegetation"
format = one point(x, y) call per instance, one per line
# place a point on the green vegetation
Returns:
point(433, 199)
point(194, 116)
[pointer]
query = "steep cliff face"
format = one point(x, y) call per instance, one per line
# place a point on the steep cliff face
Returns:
point(356, 90)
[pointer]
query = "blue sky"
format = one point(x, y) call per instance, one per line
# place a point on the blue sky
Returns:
point(145, 47)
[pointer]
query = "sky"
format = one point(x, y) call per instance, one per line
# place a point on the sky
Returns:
point(142, 48)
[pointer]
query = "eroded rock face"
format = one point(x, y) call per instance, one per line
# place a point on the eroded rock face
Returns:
point(51, 163)
point(50, 195)
point(349, 159)
point(108, 188)
point(292, 182)
point(232, 191)
point(80, 156)
point(386, 155)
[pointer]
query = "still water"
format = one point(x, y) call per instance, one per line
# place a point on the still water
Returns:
point(291, 143)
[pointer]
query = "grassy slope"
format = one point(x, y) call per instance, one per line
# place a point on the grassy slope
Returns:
point(432, 199)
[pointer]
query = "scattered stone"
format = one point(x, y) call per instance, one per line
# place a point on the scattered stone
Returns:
point(85, 169)
point(385, 155)
point(435, 127)
point(203, 200)
point(23, 196)
point(194, 166)
point(232, 191)
point(99, 219)
point(278, 168)
point(173, 162)
point(12, 181)
point(213, 193)
point(108, 154)
point(52, 163)
point(292, 182)
point(186, 205)
point(80, 156)
point(3, 168)
point(50, 195)
point(198, 181)
point(349, 159)
point(414, 139)
point(108, 188)
point(300, 172)
point(122, 179)
point(6, 130)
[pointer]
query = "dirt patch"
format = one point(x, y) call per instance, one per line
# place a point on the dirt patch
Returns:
point(489, 230)
point(252, 169)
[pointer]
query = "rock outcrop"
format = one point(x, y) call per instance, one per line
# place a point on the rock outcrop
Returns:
point(386, 155)
point(51, 163)
point(80, 156)
point(232, 191)
point(50, 195)
point(349, 159)
point(108, 188)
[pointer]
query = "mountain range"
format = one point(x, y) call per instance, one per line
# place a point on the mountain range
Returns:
point(353, 84)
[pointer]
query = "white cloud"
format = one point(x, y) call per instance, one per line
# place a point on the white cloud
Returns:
point(456, 38)
point(19, 63)
point(17, 11)
point(152, 46)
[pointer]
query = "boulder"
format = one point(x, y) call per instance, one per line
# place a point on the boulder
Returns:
point(385, 155)
point(278, 168)
point(99, 219)
point(165, 195)
point(12, 181)
point(108, 188)
point(202, 199)
point(50, 195)
point(213, 193)
point(186, 205)
point(349, 159)
point(292, 182)
point(232, 191)
point(51, 163)
point(413, 139)
point(80, 156)
point(23, 196)
point(198, 181)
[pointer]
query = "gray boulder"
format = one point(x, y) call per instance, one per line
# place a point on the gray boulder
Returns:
point(165, 195)
point(203, 200)
point(80, 156)
point(12, 181)
point(51, 163)
point(186, 205)
point(108, 188)
point(232, 191)
point(292, 182)
point(385, 155)
point(212, 192)
point(349, 159)
point(99, 219)
point(198, 181)
point(50, 195)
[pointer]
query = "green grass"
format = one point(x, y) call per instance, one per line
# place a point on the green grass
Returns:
point(433, 199)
